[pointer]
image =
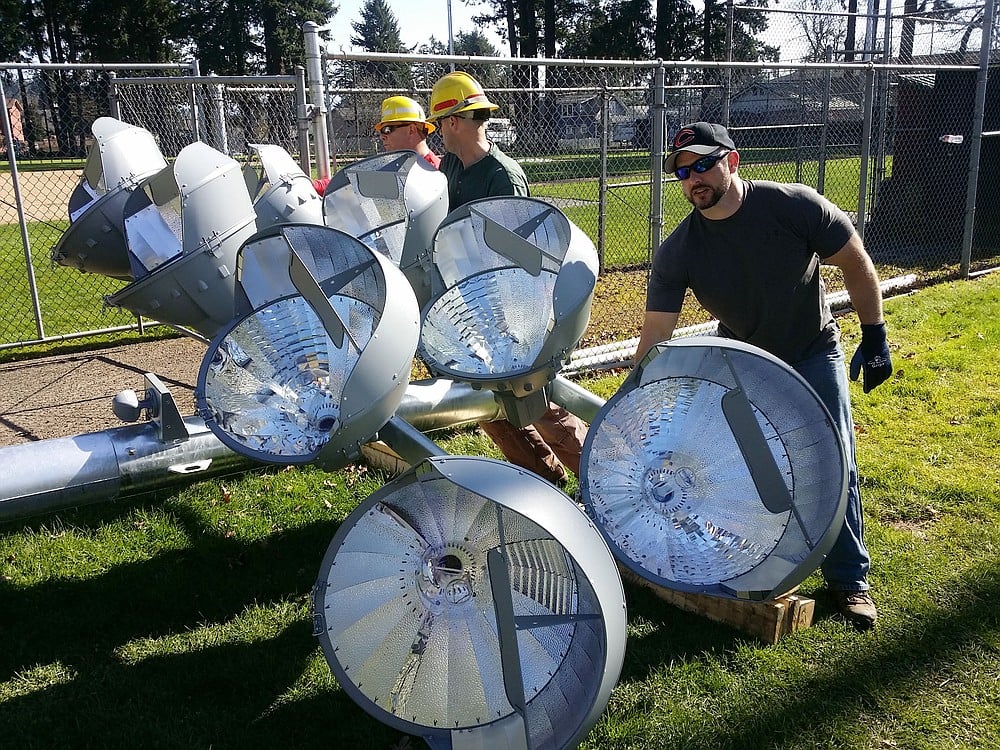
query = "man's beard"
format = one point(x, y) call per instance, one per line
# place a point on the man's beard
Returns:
point(703, 202)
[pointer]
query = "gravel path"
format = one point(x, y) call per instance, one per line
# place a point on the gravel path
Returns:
point(71, 394)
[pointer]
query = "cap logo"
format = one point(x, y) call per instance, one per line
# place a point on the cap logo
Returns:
point(684, 137)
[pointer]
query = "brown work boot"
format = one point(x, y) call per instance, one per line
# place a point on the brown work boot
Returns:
point(857, 606)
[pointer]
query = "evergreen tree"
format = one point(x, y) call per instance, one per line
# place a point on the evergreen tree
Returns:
point(244, 37)
point(620, 29)
point(378, 31)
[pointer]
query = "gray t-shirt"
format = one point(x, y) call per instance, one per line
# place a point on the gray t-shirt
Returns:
point(758, 270)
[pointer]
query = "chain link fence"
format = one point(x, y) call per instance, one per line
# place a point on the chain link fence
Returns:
point(893, 121)
point(890, 144)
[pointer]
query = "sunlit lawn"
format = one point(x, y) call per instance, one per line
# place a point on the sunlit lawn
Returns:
point(181, 619)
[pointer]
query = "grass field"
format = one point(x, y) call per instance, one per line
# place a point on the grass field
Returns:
point(181, 619)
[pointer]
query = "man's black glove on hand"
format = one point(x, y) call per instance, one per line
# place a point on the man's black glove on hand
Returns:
point(873, 356)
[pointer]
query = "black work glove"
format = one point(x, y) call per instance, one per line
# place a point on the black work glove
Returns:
point(873, 356)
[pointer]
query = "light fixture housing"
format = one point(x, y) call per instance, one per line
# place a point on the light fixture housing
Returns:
point(121, 156)
point(472, 603)
point(318, 355)
point(716, 469)
point(512, 283)
point(184, 227)
point(281, 192)
point(394, 202)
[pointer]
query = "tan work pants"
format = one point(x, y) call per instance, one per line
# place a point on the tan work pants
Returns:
point(548, 446)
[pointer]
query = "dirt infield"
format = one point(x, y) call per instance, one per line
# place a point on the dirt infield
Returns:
point(71, 394)
point(45, 195)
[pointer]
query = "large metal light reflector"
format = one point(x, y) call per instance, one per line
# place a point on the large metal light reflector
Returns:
point(121, 156)
point(281, 192)
point(394, 202)
point(183, 228)
point(716, 469)
point(317, 358)
point(472, 603)
point(512, 285)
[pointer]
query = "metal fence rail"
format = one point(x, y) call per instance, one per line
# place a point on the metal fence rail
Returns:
point(898, 132)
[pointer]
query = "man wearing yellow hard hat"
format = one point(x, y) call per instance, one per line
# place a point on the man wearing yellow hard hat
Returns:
point(403, 126)
point(476, 168)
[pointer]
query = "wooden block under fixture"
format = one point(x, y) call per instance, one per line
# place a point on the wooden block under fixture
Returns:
point(767, 621)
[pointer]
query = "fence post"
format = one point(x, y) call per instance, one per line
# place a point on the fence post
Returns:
point(302, 120)
point(193, 103)
point(658, 133)
point(8, 136)
point(978, 115)
point(824, 133)
point(866, 151)
point(114, 98)
point(317, 97)
point(219, 117)
point(727, 95)
point(602, 185)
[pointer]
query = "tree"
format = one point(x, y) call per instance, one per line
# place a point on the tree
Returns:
point(822, 27)
point(522, 23)
point(378, 31)
point(675, 30)
point(619, 29)
point(281, 27)
point(244, 37)
point(142, 31)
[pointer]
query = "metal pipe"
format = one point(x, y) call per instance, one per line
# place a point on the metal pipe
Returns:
point(317, 96)
point(575, 398)
point(132, 459)
point(105, 465)
point(976, 141)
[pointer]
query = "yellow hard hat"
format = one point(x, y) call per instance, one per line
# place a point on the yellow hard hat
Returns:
point(397, 110)
point(457, 92)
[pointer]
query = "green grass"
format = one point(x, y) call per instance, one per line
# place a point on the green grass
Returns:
point(181, 619)
point(70, 301)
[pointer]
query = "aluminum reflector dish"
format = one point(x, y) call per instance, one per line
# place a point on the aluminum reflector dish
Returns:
point(280, 190)
point(121, 156)
point(513, 282)
point(316, 360)
point(394, 202)
point(184, 228)
point(716, 469)
point(473, 604)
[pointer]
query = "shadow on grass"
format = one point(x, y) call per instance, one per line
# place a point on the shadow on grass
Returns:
point(215, 697)
point(81, 622)
point(236, 694)
point(847, 685)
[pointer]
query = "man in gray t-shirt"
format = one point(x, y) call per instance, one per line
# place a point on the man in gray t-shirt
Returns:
point(750, 253)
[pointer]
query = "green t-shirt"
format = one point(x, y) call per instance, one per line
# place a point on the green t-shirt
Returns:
point(494, 175)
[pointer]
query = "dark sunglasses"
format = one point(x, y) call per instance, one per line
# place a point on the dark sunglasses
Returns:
point(386, 129)
point(701, 166)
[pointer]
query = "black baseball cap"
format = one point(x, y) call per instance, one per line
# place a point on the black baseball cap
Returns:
point(701, 138)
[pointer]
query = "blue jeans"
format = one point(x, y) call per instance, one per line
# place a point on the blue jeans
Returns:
point(846, 566)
